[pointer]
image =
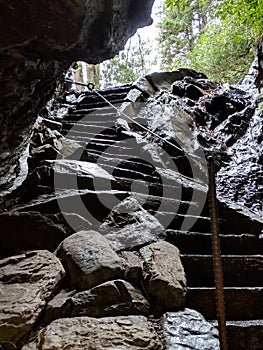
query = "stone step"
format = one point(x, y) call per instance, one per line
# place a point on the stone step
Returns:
point(89, 121)
point(111, 94)
point(103, 156)
point(242, 303)
point(86, 111)
point(75, 115)
point(244, 335)
point(140, 184)
point(238, 270)
point(100, 103)
point(93, 143)
point(90, 135)
point(98, 204)
point(92, 117)
point(200, 243)
point(93, 137)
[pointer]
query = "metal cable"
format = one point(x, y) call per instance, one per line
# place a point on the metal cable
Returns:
point(90, 86)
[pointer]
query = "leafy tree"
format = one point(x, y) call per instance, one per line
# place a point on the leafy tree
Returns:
point(180, 28)
point(223, 44)
point(242, 12)
point(223, 54)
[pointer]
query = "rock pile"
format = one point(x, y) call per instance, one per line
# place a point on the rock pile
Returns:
point(92, 291)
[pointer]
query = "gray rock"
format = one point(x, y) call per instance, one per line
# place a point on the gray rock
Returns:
point(188, 329)
point(78, 333)
point(144, 85)
point(135, 95)
point(111, 298)
point(89, 260)
point(70, 149)
point(58, 306)
point(129, 225)
point(43, 152)
point(133, 271)
point(164, 276)
point(79, 168)
point(52, 124)
point(164, 80)
point(26, 282)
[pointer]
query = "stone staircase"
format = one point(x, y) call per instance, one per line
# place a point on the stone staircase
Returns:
point(242, 267)
point(92, 124)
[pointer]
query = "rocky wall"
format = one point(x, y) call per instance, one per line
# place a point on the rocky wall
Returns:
point(39, 40)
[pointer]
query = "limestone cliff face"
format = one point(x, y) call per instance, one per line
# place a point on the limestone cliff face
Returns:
point(39, 40)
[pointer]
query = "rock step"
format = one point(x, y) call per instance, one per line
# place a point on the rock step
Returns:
point(90, 204)
point(90, 135)
point(86, 111)
point(200, 243)
point(90, 119)
point(92, 141)
point(242, 303)
point(109, 93)
point(97, 116)
point(146, 187)
point(116, 155)
point(98, 120)
point(75, 115)
point(152, 200)
point(238, 270)
point(96, 148)
point(100, 103)
point(86, 181)
point(244, 335)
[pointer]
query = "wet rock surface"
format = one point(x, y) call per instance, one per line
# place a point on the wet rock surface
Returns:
point(36, 50)
point(188, 329)
point(119, 201)
point(129, 225)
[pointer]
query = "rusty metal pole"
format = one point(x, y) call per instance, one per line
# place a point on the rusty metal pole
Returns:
point(217, 258)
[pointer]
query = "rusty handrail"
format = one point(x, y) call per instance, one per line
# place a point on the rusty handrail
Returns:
point(217, 258)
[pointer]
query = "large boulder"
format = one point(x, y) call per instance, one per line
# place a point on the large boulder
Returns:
point(78, 333)
point(135, 226)
point(89, 260)
point(164, 276)
point(38, 43)
point(27, 281)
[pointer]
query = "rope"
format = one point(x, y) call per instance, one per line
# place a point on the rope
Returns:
point(217, 258)
point(91, 88)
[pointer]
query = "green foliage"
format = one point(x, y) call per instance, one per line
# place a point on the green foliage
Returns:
point(223, 44)
point(128, 65)
point(223, 54)
point(243, 12)
point(180, 28)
